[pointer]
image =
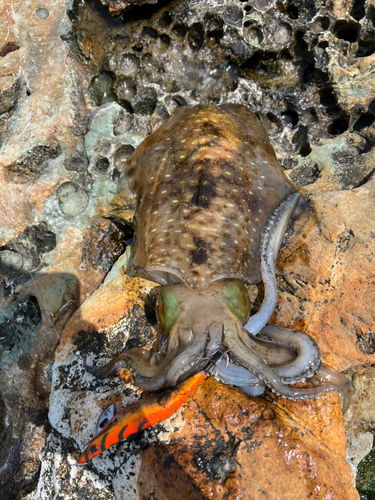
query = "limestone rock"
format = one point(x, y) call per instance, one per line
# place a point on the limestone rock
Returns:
point(327, 259)
point(79, 90)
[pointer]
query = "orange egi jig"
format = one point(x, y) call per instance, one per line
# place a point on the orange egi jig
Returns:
point(144, 413)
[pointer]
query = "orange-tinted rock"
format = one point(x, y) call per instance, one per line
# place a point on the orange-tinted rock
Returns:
point(233, 446)
point(324, 281)
point(111, 302)
point(329, 274)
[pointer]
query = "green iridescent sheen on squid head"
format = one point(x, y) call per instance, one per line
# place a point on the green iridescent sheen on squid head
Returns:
point(168, 308)
point(237, 299)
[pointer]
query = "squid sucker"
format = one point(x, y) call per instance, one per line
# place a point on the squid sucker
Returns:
point(212, 207)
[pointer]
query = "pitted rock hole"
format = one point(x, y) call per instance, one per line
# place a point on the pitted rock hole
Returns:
point(42, 13)
point(11, 263)
point(72, 199)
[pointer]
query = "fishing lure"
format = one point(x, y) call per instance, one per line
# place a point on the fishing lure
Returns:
point(145, 413)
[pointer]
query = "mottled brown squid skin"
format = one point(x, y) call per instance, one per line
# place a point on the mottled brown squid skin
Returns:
point(212, 203)
point(206, 183)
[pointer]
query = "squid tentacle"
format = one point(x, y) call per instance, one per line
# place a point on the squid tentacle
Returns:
point(325, 380)
point(143, 363)
point(293, 355)
point(244, 379)
point(250, 359)
point(333, 381)
point(189, 359)
point(308, 354)
point(271, 241)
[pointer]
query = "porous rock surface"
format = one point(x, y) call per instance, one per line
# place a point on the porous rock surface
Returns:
point(80, 90)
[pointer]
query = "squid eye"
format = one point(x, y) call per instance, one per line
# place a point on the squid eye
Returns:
point(167, 308)
point(237, 299)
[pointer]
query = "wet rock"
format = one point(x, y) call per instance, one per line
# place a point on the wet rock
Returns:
point(111, 129)
point(10, 78)
point(360, 422)
point(126, 90)
point(128, 65)
point(72, 199)
point(46, 109)
point(106, 244)
point(306, 70)
point(32, 162)
point(12, 263)
point(19, 324)
point(8, 47)
point(22, 464)
point(77, 162)
point(325, 261)
point(226, 435)
point(118, 6)
point(144, 102)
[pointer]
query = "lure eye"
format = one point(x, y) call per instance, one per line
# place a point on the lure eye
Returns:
point(167, 308)
point(93, 449)
point(237, 299)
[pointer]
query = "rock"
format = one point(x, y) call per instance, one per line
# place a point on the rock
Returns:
point(359, 420)
point(48, 220)
point(10, 79)
point(79, 90)
point(226, 435)
point(116, 7)
point(321, 265)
